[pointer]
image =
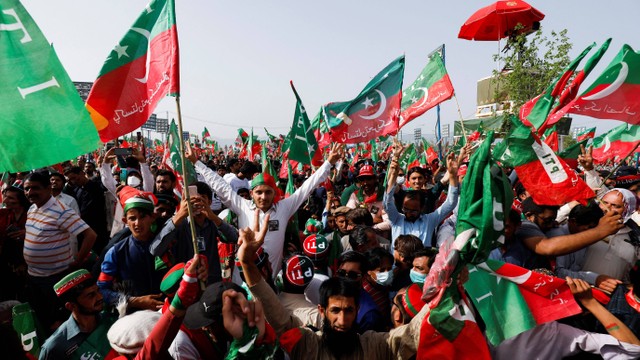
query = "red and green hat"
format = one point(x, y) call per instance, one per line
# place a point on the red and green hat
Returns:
point(132, 198)
point(266, 179)
point(70, 281)
point(312, 226)
point(298, 270)
point(316, 247)
point(171, 280)
point(412, 300)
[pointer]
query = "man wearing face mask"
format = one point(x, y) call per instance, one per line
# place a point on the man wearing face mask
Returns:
point(422, 262)
point(378, 280)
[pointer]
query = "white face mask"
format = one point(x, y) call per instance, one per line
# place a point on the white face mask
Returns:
point(384, 278)
point(133, 181)
point(400, 180)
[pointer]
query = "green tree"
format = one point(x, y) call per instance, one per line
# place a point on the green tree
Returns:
point(530, 64)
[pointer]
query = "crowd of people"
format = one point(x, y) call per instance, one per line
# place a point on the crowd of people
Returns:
point(111, 264)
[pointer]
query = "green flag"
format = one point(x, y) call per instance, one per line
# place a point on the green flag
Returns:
point(408, 156)
point(266, 162)
point(173, 154)
point(44, 121)
point(303, 143)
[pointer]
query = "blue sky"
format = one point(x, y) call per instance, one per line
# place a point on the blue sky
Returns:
point(237, 57)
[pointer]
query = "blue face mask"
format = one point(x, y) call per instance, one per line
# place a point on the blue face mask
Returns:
point(416, 277)
point(384, 278)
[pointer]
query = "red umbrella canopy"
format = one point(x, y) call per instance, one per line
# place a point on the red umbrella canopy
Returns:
point(495, 21)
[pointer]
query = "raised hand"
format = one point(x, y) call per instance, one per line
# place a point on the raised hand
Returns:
point(585, 159)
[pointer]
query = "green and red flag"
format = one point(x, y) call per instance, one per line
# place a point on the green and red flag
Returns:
point(303, 145)
point(548, 179)
point(172, 159)
point(44, 121)
point(25, 325)
point(266, 163)
point(374, 112)
point(141, 69)
point(551, 138)
point(586, 134)
point(570, 154)
point(571, 91)
point(617, 142)
point(321, 130)
point(615, 94)
point(253, 146)
point(205, 134)
point(408, 156)
point(271, 137)
point(432, 87)
point(485, 201)
point(535, 111)
point(241, 139)
point(511, 299)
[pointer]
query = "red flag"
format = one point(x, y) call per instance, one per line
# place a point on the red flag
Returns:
point(139, 72)
point(552, 141)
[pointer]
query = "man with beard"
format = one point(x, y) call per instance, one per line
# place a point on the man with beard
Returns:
point(84, 334)
point(339, 300)
point(165, 182)
point(369, 196)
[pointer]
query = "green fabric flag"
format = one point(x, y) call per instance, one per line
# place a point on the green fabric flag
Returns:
point(205, 134)
point(139, 71)
point(541, 106)
point(44, 121)
point(485, 200)
point(174, 160)
point(617, 142)
point(586, 134)
point(374, 151)
point(271, 137)
point(374, 112)
point(303, 144)
point(266, 162)
point(408, 156)
point(432, 87)
point(25, 325)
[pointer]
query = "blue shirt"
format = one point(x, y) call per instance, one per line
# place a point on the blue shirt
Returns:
point(425, 226)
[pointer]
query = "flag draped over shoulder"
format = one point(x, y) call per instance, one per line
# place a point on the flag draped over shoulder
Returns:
point(548, 179)
point(140, 70)
point(432, 87)
point(617, 142)
point(303, 145)
point(485, 199)
point(615, 94)
point(511, 299)
point(43, 119)
point(374, 112)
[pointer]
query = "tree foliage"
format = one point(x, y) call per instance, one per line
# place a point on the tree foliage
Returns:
point(530, 64)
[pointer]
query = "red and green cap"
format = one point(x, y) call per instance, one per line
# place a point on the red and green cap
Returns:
point(312, 226)
point(298, 270)
point(132, 198)
point(70, 281)
point(412, 300)
point(266, 179)
point(171, 280)
point(316, 247)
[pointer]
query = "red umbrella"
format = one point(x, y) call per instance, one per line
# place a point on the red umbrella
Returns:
point(495, 21)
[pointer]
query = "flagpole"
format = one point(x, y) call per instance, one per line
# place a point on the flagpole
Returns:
point(185, 185)
point(439, 137)
point(464, 132)
point(619, 164)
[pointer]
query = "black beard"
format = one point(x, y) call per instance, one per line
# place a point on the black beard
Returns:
point(340, 343)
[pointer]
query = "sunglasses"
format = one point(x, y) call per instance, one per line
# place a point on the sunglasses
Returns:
point(351, 275)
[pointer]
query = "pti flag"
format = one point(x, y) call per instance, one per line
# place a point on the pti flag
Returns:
point(43, 119)
point(586, 134)
point(548, 179)
point(511, 299)
point(172, 159)
point(432, 87)
point(303, 143)
point(615, 94)
point(374, 112)
point(618, 142)
point(140, 70)
point(536, 110)
point(485, 200)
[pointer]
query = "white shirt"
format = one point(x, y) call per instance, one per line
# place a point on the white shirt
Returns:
point(70, 202)
point(279, 213)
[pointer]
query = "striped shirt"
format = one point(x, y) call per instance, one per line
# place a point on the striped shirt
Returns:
point(47, 249)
